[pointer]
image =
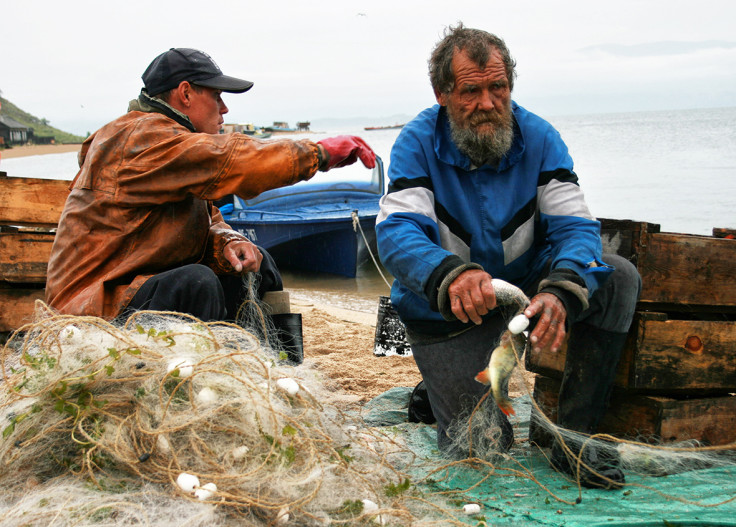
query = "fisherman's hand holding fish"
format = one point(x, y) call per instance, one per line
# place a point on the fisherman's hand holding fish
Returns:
point(549, 331)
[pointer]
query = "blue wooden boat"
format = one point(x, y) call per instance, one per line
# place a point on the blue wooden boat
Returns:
point(312, 225)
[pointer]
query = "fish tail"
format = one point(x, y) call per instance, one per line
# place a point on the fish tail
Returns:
point(506, 407)
point(483, 377)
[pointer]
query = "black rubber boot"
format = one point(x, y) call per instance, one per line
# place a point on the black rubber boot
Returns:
point(590, 369)
point(289, 333)
point(419, 410)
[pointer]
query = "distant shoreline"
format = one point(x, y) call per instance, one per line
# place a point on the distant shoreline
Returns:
point(36, 150)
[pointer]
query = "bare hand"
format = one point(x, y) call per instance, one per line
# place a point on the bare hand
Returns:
point(471, 295)
point(243, 256)
point(549, 333)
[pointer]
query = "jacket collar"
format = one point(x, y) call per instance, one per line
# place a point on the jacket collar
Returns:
point(148, 104)
point(448, 152)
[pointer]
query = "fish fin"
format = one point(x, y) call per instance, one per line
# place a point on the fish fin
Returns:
point(483, 377)
point(507, 409)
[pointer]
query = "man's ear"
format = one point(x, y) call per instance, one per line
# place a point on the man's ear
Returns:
point(182, 94)
point(441, 98)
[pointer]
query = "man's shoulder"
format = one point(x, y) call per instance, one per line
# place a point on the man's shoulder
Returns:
point(529, 119)
point(424, 120)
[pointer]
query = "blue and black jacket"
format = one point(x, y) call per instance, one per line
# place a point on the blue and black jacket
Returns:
point(441, 213)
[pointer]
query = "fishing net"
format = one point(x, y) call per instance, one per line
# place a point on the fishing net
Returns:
point(166, 420)
point(176, 409)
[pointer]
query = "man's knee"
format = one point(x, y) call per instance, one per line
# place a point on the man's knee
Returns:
point(199, 277)
point(612, 306)
point(625, 277)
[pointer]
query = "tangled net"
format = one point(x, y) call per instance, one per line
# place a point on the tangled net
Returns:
point(480, 435)
point(167, 420)
point(170, 407)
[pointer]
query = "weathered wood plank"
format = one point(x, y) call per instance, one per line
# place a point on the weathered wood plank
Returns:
point(683, 271)
point(24, 256)
point(666, 356)
point(683, 355)
point(17, 306)
point(710, 419)
point(31, 201)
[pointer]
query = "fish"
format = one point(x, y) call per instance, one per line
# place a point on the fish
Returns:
point(508, 294)
point(500, 367)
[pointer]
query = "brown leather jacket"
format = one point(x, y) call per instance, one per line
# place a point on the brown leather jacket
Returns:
point(140, 204)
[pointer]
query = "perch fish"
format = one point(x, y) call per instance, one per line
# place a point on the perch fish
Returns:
point(500, 367)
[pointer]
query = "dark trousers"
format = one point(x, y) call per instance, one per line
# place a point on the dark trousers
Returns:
point(195, 289)
point(448, 365)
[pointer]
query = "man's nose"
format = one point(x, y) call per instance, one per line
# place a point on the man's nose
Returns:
point(486, 100)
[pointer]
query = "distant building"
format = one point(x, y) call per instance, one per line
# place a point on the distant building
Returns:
point(303, 126)
point(236, 128)
point(13, 132)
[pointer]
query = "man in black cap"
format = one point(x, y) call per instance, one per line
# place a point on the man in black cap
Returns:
point(139, 229)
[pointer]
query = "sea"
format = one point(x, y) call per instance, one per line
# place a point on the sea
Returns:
point(675, 168)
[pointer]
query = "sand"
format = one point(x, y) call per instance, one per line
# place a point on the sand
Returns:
point(340, 344)
point(34, 150)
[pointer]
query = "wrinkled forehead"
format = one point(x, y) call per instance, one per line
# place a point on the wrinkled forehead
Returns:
point(468, 71)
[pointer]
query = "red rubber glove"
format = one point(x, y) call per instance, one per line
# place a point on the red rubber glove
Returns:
point(345, 150)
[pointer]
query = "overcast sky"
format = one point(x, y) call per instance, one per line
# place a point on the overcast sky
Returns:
point(78, 63)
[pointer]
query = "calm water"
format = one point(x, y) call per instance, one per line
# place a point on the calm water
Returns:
point(674, 168)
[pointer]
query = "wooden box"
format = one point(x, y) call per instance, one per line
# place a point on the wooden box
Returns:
point(650, 418)
point(680, 272)
point(28, 219)
point(666, 356)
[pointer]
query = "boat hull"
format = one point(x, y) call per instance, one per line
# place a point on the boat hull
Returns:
point(334, 247)
point(312, 225)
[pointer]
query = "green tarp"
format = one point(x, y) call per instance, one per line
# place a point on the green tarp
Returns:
point(510, 500)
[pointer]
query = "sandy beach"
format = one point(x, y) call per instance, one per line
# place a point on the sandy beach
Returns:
point(35, 150)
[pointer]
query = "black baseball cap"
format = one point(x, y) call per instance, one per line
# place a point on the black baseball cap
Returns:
point(172, 67)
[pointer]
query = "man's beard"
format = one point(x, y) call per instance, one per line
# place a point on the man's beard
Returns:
point(484, 147)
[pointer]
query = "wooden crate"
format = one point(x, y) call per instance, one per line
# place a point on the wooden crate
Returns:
point(680, 272)
point(24, 254)
point(17, 305)
point(650, 418)
point(666, 356)
point(28, 219)
point(31, 201)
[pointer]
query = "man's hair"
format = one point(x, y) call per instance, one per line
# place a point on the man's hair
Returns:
point(477, 44)
point(166, 96)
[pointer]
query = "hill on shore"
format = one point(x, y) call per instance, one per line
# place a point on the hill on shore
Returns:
point(41, 127)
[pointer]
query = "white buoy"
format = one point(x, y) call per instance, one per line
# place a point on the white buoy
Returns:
point(163, 444)
point(207, 396)
point(471, 508)
point(282, 518)
point(187, 482)
point(518, 324)
point(289, 385)
point(205, 492)
point(183, 364)
point(239, 452)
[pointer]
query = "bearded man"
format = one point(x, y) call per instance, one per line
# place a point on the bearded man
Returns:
point(480, 188)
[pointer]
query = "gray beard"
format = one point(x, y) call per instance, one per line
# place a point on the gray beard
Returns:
point(483, 148)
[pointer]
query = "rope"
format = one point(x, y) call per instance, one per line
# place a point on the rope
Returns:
point(356, 228)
